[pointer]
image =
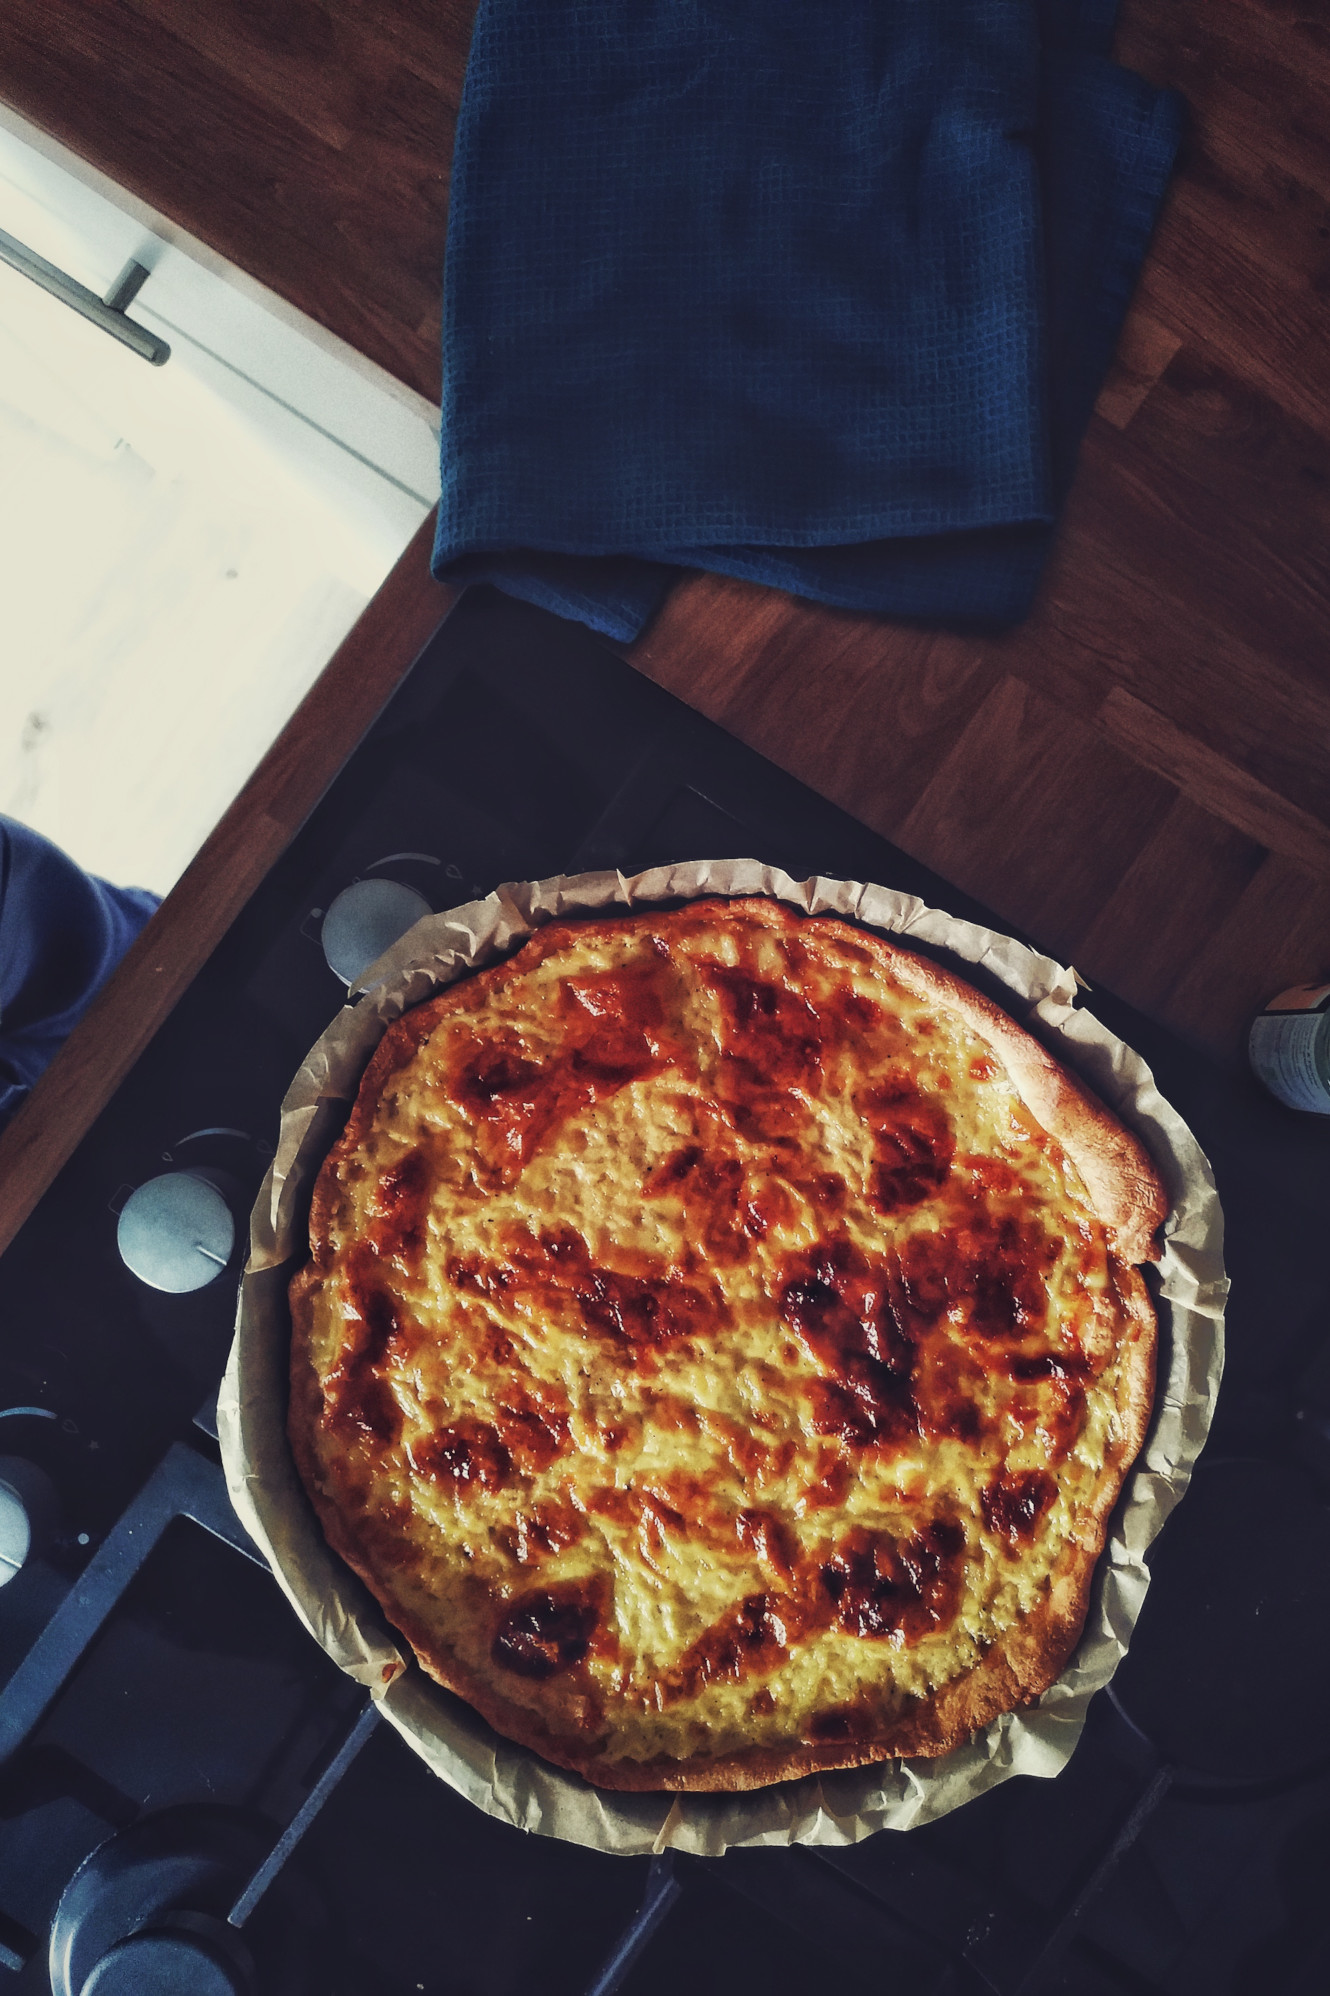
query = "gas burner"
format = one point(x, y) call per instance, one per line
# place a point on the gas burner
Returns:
point(29, 1509)
point(177, 1232)
point(370, 915)
point(1237, 1614)
point(169, 1963)
point(147, 1914)
point(366, 919)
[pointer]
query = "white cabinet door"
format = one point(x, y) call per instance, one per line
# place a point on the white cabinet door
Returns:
point(181, 546)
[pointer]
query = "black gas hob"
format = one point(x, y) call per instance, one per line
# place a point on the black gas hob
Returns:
point(193, 1799)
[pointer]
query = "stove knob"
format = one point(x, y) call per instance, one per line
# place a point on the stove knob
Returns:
point(28, 1509)
point(176, 1232)
point(166, 1964)
point(366, 919)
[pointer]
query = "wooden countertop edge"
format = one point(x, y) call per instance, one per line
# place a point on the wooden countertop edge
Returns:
point(343, 702)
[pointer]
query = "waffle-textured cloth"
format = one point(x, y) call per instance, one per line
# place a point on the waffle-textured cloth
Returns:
point(62, 933)
point(821, 295)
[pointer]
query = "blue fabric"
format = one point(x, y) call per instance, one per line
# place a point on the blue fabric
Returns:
point(62, 932)
point(818, 295)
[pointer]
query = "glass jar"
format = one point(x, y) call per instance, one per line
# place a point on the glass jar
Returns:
point(1289, 1047)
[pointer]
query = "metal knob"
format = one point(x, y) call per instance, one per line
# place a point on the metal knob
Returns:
point(366, 919)
point(176, 1233)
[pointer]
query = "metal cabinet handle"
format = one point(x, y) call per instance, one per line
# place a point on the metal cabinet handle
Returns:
point(108, 312)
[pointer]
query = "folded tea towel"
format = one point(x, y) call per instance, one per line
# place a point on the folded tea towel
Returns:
point(62, 932)
point(821, 295)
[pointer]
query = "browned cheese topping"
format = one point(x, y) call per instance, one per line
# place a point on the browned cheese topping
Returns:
point(712, 1351)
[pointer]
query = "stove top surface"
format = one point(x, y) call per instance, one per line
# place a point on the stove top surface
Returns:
point(190, 1797)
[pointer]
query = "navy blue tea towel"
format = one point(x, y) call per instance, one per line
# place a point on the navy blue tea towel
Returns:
point(818, 295)
point(62, 933)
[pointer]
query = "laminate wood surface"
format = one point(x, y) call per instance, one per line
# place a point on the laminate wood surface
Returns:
point(1139, 776)
point(307, 141)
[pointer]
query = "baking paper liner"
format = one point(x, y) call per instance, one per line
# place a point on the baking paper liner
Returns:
point(511, 1782)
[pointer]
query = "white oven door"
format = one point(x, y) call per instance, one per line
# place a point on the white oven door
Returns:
point(182, 546)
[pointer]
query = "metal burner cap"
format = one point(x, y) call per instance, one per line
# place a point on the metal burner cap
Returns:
point(366, 919)
point(176, 1232)
point(29, 1508)
point(164, 1965)
point(15, 1532)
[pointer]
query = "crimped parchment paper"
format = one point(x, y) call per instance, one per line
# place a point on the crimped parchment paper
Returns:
point(511, 1782)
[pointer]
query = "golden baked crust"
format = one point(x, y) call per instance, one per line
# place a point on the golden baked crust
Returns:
point(722, 1346)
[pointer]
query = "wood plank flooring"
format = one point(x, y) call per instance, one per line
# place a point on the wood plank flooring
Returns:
point(1140, 775)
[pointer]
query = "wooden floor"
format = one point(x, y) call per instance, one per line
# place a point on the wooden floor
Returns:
point(1140, 776)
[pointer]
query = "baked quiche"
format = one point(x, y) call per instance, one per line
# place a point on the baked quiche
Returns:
point(722, 1346)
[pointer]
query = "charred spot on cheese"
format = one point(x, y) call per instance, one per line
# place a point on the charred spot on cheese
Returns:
point(622, 1033)
point(680, 1165)
point(399, 1205)
point(831, 1485)
point(362, 1402)
point(545, 1632)
point(913, 1144)
point(495, 1074)
point(759, 1114)
point(607, 1500)
point(529, 1431)
point(468, 1452)
point(1061, 1417)
point(612, 1035)
point(1009, 1295)
point(1014, 1503)
point(533, 1427)
point(838, 1304)
point(751, 1640)
point(694, 1501)
point(771, 1539)
point(512, 1102)
point(357, 1396)
point(958, 1417)
point(1059, 1365)
point(715, 1198)
point(990, 1270)
point(842, 1722)
point(753, 1453)
point(827, 1190)
point(899, 1588)
point(993, 1174)
point(765, 1024)
point(541, 1533)
point(636, 1309)
point(633, 1300)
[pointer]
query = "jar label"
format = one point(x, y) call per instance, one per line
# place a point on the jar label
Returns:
point(1288, 1050)
point(1302, 998)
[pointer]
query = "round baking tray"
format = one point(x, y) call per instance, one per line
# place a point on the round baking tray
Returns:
point(509, 1781)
